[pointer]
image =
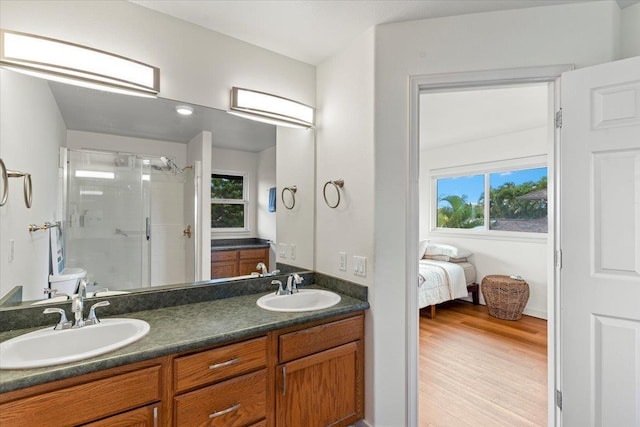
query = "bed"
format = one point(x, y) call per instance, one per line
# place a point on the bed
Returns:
point(440, 280)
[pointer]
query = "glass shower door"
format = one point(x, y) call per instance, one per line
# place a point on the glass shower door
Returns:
point(108, 210)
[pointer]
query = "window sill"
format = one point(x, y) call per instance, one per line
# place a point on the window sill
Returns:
point(540, 238)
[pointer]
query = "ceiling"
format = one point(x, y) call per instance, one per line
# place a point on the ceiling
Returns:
point(149, 118)
point(313, 30)
point(487, 112)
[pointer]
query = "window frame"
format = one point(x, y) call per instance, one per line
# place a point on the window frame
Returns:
point(244, 201)
point(486, 169)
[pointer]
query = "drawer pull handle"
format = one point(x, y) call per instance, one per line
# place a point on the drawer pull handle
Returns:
point(225, 411)
point(284, 380)
point(223, 364)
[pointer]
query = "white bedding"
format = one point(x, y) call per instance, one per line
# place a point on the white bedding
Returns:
point(440, 281)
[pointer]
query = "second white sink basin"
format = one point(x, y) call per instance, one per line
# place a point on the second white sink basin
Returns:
point(47, 347)
point(303, 300)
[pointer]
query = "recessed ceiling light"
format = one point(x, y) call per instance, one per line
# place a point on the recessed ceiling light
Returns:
point(185, 110)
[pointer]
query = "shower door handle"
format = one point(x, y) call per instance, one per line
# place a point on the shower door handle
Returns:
point(148, 228)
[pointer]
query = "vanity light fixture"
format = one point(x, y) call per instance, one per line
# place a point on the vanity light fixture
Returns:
point(272, 109)
point(77, 65)
point(184, 110)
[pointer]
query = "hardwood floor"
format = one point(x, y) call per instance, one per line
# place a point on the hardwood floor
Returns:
point(476, 370)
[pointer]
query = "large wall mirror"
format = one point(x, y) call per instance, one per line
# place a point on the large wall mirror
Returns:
point(129, 179)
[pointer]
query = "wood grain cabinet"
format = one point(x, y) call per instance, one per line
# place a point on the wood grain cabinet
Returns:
point(320, 375)
point(237, 262)
point(305, 375)
point(114, 398)
point(232, 386)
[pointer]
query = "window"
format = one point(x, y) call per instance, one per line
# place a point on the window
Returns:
point(228, 201)
point(517, 201)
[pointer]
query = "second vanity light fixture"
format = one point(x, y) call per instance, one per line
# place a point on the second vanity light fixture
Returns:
point(272, 109)
point(75, 64)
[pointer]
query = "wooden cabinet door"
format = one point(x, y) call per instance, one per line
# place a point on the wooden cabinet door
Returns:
point(323, 389)
point(224, 269)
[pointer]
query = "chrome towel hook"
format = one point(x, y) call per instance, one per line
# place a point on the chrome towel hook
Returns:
point(27, 188)
point(337, 184)
point(292, 190)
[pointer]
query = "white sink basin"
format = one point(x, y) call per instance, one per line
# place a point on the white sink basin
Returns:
point(47, 347)
point(303, 300)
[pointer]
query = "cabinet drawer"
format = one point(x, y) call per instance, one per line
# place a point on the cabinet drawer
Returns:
point(224, 256)
point(85, 402)
point(318, 338)
point(147, 416)
point(253, 253)
point(239, 401)
point(220, 363)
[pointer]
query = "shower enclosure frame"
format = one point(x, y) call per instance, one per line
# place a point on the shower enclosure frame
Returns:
point(191, 246)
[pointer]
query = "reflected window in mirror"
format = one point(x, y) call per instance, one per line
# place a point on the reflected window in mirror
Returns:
point(229, 201)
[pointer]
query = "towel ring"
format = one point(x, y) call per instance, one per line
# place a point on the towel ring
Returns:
point(337, 184)
point(27, 187)
point(5, 183)
point(291, 190)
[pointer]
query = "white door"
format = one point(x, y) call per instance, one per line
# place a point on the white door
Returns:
point(600, 241)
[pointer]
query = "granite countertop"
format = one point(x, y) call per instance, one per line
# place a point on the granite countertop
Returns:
point(232, 244)
point(176, 329)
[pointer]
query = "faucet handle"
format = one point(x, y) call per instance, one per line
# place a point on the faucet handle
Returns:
point(92, 319)
point(64, 323)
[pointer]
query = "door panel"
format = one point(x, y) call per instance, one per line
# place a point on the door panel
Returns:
point(600, 242)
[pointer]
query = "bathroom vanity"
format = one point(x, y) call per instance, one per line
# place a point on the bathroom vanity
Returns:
point(224, 362)
point(237, 257)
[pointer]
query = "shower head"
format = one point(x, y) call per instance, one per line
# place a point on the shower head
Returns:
point(171, 164)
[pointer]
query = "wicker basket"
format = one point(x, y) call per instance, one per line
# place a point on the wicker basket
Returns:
point(505, 297)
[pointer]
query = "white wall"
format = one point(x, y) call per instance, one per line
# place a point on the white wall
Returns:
point(295, 159)
point(266, 221)
point(345, 150)
point(196, 65)
point(125, 144)
point(31, 130)
point(199, 155)
point(582, 34)
point(630, 31)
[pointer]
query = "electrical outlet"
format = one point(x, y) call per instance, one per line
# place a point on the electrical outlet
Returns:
point(282, 250)
point(292, 251)
point(360, 266)
point(343, 261)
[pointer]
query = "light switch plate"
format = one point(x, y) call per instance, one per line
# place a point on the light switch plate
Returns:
point(292, 251)
point(360, 266)
point(282, 250)
point(342, 265)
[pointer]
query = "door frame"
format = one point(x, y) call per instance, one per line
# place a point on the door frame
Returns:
point(418, 84)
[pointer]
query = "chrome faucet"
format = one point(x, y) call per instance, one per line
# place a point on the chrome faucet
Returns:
point(77, 304)
point(293, 281)
point(263, 269)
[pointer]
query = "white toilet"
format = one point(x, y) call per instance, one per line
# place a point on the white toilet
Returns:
point(64, 280)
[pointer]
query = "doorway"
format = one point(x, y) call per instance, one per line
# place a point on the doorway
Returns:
point(513, 159)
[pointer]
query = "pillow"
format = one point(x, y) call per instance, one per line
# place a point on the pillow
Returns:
point(445, 258)
point(422, 246)
point(448, 250)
